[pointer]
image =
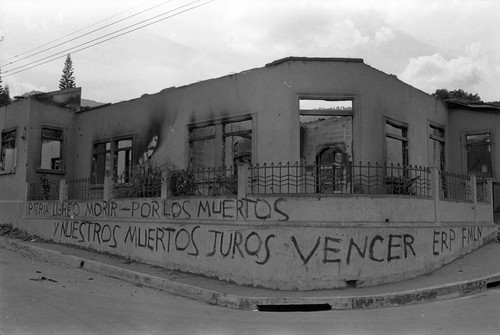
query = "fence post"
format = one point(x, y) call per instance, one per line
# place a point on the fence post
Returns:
point(27, 194)
point(489, 190)
point(63, 190)
point(164, 185)
point(108, 186)
point(473, 182)
point(435, 191)
point(243, 172)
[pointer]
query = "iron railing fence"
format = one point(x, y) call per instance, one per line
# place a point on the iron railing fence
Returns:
point(85, 188)
point(339, 179)
point(482, 190)
point(276, 179)
point(43, 189)
point(148, 186)
point(215, 181)
point(454, 186)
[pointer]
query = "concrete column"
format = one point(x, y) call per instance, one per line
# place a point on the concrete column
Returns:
point(473, 182)
point(243, 174)
point(435, 191)
point(63, 190)
point(165, 192)
point(489, 189)
point(108, 187)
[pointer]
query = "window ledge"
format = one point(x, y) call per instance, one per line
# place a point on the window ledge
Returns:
point(3, 172)
point(61, 172)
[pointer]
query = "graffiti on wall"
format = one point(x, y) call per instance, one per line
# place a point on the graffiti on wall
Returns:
point(453, 239)
point(220, 209)
point(217, 243)
point(375, 248)
point(245, 208)
point(262, 246)
point(149, 227)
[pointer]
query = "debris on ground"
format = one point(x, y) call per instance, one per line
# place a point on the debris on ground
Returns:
point(43, 279)
point(7, 230)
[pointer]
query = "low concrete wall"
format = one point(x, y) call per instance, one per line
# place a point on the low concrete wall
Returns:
point(300, 209)
point(11, 211)
point(453, 211)
point(266, 241)
point(483, 212)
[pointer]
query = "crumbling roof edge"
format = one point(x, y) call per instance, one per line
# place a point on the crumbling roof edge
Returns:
point(478, 106)
point(314, 59)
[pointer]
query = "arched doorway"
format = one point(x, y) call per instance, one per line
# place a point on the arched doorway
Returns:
point(332, 169)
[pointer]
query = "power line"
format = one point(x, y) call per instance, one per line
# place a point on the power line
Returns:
point(57, 55)
point(80, 36)
point(100, 37)
point(77, 31)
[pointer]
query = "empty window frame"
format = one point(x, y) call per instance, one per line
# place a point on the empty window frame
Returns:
point(202, 147)
point(8, 151)
point(101, 161)
point(237, 140)
point(438, 146)
point(122, 162)
point(479, 160)
point(396, 143)
point(233, 136)
point(121, 165)
point(325, 124)
point(51, 152)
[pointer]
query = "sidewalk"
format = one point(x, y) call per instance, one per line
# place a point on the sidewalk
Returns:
point(471, 274)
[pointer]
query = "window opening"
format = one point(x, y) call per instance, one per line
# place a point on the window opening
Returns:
point(123, 160)
point(437, 137)
point(220, 144)
point(237, 142)
point(51, 154)
point(325, 123)
point(101, 157)
point(326, 141)
point(478, 147)
point(8, 151)
point(202, 147)
point(396, 143)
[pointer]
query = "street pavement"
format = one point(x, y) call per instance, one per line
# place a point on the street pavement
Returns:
point(40, 297)
point(472, 274)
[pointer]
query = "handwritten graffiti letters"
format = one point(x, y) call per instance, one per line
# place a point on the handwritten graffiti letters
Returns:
point(85, 231)
point(445, 240)
point(374, 248)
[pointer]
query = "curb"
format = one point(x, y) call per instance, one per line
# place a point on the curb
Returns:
point(402, 298)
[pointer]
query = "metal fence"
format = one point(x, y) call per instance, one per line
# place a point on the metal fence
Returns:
point(482, 191)
point(43, 189)
point(148, 186)
point(455, 186)
point(339, 179)
point(276, 179)
point(204, 182)
point(85, 188)
point(216, 181)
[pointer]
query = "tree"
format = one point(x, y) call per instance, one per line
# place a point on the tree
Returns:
point(4, 93)
point(67, 79)
point(456, 94)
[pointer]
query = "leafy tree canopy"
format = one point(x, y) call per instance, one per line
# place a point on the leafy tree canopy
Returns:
point(460, 94)
point(67, 79)
point(4, 93)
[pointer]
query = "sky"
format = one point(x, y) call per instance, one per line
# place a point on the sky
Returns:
point(429, 44)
